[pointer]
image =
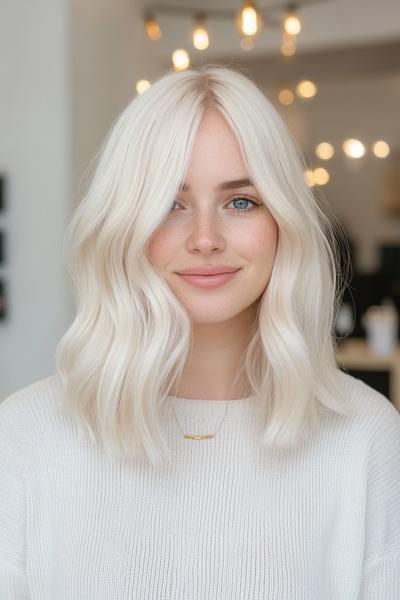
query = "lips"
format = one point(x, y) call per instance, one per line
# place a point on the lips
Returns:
point(209, 281)
point(217, 270)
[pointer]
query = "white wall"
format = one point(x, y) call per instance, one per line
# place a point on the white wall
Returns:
point(67, 70)
point(35, 158)
point(109, 53)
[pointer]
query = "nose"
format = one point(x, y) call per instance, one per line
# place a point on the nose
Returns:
point(206, 233)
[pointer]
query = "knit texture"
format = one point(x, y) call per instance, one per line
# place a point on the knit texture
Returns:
point(228, 519)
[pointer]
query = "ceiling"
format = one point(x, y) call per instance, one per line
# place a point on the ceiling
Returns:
point(326, 24)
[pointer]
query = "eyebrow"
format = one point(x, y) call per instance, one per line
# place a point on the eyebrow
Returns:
point(225, 185)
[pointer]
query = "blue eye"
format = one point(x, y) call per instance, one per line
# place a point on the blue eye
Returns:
point(242, 199)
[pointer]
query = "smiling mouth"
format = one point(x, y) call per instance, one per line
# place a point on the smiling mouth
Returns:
point(209, 281)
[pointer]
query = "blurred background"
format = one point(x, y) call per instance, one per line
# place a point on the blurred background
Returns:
point(68, 68)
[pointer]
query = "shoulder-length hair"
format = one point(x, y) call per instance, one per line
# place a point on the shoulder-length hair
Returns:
point(130, 338)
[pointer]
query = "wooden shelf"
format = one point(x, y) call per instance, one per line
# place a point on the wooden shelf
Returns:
point(354, 353)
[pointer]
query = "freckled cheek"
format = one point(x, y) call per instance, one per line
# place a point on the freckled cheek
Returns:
point(261, 243)
point(162, 247)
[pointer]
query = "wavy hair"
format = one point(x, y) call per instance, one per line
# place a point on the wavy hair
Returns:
point(130, 337)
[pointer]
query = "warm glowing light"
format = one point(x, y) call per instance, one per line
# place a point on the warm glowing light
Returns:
point(306, 89)
point(353, 148)
point(142, 85)
point(292, 24)
point(288, 46)
point(180, 59)
point(381, 149)
point(152, 28)
point(249, 21)
point(309, 177)
point(324, 150)
point(200, 38)
point(286, 97)
point(321, 176)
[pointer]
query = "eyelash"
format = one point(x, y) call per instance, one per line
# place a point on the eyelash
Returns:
point(239, 210)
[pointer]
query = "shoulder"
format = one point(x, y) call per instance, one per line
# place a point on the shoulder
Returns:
point(373, 414)
point(367, 401)
point(32, 399)
point(25, 414)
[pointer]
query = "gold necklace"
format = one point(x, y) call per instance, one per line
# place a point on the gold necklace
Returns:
point(207, 436)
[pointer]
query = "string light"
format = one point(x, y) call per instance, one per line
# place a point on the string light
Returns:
point(306, 89)
point(381, 149)
point(353, 148)
point(142, 85)
point(249, 20)
point(324, 150)
point(321, 176)
point(309, 177)
point(152, 28)
point(180, 59)
point(200, 34)
point(318, 176)
point(292, 23)
point(286, 97)
point(288, 46)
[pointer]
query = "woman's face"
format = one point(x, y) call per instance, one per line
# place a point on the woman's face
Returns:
point(211, 227)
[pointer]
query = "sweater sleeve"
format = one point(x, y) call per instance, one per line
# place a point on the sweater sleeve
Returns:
point(381, 569)
point(12, 510)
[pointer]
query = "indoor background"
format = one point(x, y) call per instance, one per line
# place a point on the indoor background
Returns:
point(68, 68)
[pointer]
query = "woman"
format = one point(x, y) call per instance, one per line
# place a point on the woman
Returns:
point(198, 439)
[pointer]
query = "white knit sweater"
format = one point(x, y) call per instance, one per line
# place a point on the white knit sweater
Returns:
point(227, 520)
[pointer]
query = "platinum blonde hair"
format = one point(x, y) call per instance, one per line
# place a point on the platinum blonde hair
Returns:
point(131, 337)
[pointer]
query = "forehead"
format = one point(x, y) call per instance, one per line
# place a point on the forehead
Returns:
point(215, 134)
point(215, 157)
